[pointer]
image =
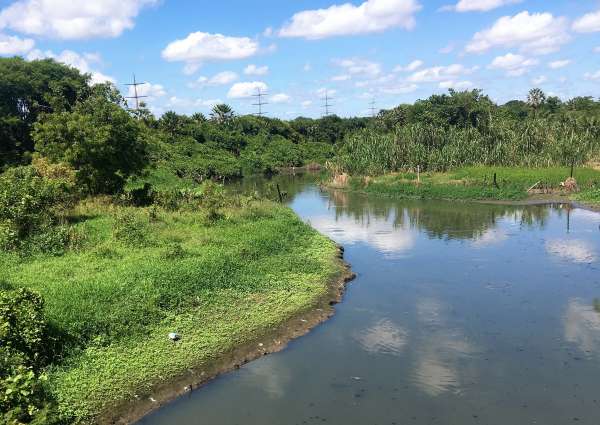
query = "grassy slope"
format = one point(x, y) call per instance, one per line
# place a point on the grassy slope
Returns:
point(476, 183)
point(229, 282)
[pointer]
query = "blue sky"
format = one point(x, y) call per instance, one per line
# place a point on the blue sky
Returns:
point(194, 54)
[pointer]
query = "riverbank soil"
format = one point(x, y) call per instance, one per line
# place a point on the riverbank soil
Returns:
point(255, 275)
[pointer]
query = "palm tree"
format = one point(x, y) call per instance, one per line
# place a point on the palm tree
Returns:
point(536, 98)
point(221, 113)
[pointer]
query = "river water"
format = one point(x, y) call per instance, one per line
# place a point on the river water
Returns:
point(462, 313)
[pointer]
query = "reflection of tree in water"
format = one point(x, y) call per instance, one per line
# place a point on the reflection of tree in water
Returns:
point(440, 219)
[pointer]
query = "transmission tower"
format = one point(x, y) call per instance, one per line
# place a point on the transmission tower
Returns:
point(326, 105)
point(136, 96)
point(259, 102)
point(372, 108)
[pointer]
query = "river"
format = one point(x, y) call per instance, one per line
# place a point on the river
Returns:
point(462, 313)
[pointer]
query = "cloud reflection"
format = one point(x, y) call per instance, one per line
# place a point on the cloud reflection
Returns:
point(440, 351)
point(574, 250)
point(384, 337)
point(378, 233)
point(582, 326)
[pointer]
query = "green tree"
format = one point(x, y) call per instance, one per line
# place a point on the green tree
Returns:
point(28, 89)
point(536, 99)
point(98, 138)
point(222, 113)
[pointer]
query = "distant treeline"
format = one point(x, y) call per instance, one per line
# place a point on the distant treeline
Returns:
point(467, 128)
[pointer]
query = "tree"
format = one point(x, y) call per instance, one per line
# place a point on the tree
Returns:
point(28, 89)
point(536, 99)
point(99, 139)
point(222, 113)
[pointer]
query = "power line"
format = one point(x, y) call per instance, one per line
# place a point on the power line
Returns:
point(260, 95)
point(327, 105)
point(136, 96)
point(372, 108)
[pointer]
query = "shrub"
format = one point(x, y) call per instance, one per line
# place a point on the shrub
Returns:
point(25, 350)
point(31, 200)
point(130, 229)
point(213, 200)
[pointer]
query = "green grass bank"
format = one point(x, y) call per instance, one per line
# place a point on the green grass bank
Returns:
point(477, 183)
point(137, 274)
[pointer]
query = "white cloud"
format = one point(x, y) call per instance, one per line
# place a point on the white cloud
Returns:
point(588, 23)
point(359, 67)
point(153, 91)
point(247, 89)
point(280, 98)
point(539, 80)
point(199, 47)
point(72, 19)
point(479, 5)
point(592, 76)
point(342, 77)
point(306, 104)
point(399, 89)
point(256, 70)
point(458, 85)
point(538, 33)
point(514, 65)
point(440, 73)
point(411, 67)
point(347, 19)
point(597, 49)
point(13, 45)
point(307, 67)
point(222, 78)
point(559, 64)
point(71, 58)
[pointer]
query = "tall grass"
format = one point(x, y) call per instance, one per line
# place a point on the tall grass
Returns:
point(531, 142)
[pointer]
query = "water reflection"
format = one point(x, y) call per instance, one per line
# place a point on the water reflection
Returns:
point(384, 337)
point(573, 250)
point(379, 232)
point(582, 326)
point(441, 350)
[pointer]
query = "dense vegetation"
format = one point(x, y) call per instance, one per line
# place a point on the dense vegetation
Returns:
point(466, 128)
point(115, 228)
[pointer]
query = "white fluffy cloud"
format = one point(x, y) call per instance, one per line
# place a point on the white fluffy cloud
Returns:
point(247, 89)
point(411, 67)
point(72, 19)
point(12, 45)
point(588, 23)
point(82, 62)
point(539, 80)
point(538, 33)
point(152, 91)
point(396, 89)
point(359, 67)
point(592, 76)
point(347, 19)
point(479, 5)
point(458, 85)
point(220, 79)
point(280, 98)
point(440, 73)
point(514, 65)
point(559, 64)
point(256, 70)
point(199, 47)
